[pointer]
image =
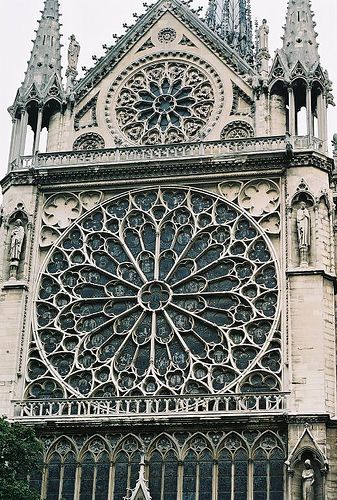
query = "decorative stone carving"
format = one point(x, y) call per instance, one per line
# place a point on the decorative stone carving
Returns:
point(303, 232)
point(237, 130)
point(48, 236)
point(260, 197)
point(168, 101)
point(90, 199)
point(147, 45)
point(82, 117)
point(62, 209)
point(225, 307)
point(308, 478)
point(242, 102)
point(271, 223)
point(230, 189)
point(167, 35)
point(16, 244)
point(89, 141)
point(186, 41)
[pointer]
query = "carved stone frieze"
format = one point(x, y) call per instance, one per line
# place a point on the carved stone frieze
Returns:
point(60, 210)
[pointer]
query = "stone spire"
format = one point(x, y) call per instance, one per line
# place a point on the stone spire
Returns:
point(232, 20)
point(45, 59)
point(299, 41)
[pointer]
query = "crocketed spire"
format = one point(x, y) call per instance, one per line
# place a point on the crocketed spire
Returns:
point(299, 42)
point(232, 20)
point(45, 59)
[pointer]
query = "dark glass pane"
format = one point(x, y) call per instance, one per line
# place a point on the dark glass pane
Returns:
point(240, 475)
point(206, 476)
point(190, 477)
point(155, 478)
point(135, 467)
point(225, 476)
point(276, 475)
point(69, 476)
point(35, 480)
point(54, 473)
point(260, 475)
point(87, 477)
point(102, 478)
point(121, 476)
point(170, 477)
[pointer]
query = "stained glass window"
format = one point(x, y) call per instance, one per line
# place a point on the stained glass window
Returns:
point(163, 291)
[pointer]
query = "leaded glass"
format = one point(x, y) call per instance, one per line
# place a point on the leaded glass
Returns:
point(163, 291)
point(168, 101)
point(87, 477)
point(54, 475)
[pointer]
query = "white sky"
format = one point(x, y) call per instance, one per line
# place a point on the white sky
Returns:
point(94, 22)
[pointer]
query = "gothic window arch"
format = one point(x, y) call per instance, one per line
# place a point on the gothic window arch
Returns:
point(198, 470)
point(163, 469)
point(268, 468)
point(95, 470)
point(61, 471)
point(127, 460)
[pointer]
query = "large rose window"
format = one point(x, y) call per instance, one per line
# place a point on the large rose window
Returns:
point(164, 102)
point(160, 291)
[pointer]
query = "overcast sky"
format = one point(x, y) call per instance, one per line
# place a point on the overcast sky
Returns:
point(94, 22)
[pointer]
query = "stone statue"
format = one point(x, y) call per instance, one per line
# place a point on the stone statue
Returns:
point(264, 35)
point(17, 237)
point(303, 233)
point(73, 53)
point(308, 480)
point(303, 226)
point(16, 244)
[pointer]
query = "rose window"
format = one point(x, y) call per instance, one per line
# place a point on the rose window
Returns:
point(159, 291)
point(166, 102)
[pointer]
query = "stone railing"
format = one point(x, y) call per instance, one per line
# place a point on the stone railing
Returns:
point(143, 408)
point(212, 149)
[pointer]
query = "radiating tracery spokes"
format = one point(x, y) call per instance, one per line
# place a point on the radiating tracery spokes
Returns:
point(166, 291)
point(167, 102)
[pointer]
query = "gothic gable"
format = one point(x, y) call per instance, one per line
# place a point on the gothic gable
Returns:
point(155, 87)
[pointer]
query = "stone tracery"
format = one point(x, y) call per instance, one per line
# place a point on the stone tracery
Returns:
point(169, 101)
point(167, 291)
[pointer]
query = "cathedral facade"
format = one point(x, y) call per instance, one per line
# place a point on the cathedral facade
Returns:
point(167, 265)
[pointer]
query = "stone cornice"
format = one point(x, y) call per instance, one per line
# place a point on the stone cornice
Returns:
point(188, 169)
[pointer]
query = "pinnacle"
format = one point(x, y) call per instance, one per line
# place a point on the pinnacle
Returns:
point(45, 59)
point(299, 41)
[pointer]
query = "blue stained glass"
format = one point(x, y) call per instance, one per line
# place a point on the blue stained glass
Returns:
point(156, 469)
point(190, 477)
point(121, 476)
point(170, 477)
point(206, 476)
point(225, 476)
point(135, 467)
point(240, 475)
point(102, 477)
point(54, 473)
point(87, 477)
point(69, 475)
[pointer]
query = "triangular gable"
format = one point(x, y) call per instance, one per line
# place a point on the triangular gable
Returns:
point(279, 69)
point(306, 443)
point(141, 490)
point(135, 33)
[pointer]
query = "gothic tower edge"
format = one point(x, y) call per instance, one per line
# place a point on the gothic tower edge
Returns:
point(167, 261)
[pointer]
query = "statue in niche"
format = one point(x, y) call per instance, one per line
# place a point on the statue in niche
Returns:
point(73, 53)
point(264, 35)
point(16, 244)
point(303, 233)
point(308, 480)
